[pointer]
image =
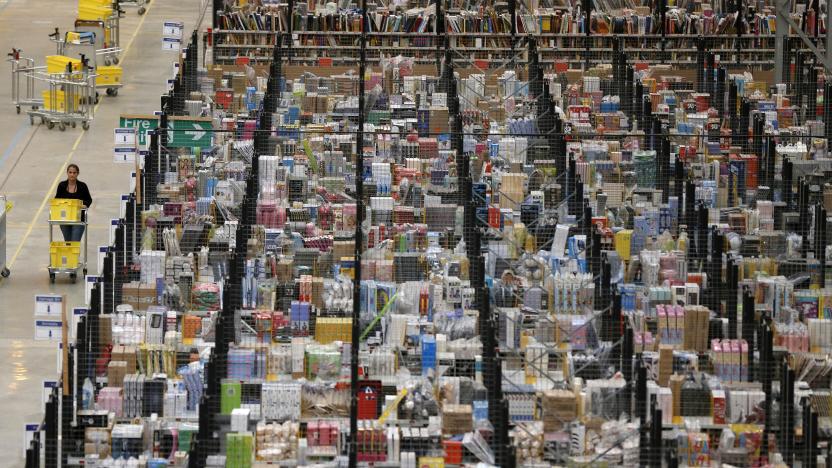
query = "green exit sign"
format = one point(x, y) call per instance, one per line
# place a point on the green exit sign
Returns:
point(143, 123)
point(184, 132)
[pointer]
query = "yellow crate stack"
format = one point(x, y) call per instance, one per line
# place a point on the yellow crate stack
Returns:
point(58, 64)
point(64, 254)
point(108, 75)
point(65, 209)
point(59, 103)
point(93, 10)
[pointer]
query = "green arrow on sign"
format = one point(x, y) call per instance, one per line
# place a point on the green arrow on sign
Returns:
point(143, 123)
point(190, 133)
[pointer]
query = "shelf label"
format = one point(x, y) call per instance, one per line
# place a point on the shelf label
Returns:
point(171, 44)
point(75, 318)
point(124, 154)
point(29, 430)
point(48, 385)
point(48, 305)
point(172, 29)
point(125, 136)
point(48, 330)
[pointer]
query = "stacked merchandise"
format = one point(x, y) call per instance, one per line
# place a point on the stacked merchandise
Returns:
point(626, 271)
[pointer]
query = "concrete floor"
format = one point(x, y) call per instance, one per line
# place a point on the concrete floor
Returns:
point(33, 160)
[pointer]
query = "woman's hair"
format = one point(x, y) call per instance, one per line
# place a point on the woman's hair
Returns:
point(73, 166)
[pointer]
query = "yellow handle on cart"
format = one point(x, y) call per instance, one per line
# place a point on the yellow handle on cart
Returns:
point(9, 206)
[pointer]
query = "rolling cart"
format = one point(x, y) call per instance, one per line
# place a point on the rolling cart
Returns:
point(61, 256)
point(23, 81)
point(141, 5)
point(69, 99)
point(107, 77)
point(5, 206)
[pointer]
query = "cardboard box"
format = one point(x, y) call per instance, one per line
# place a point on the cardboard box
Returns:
point(676, 382)
point(116, 370)
point(126, 354)
point(665, 364)
point(457, 419)
point(559, 409)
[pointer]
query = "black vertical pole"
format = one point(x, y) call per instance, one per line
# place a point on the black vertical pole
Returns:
point(638, 103)
point(359, 243)
point(766, 369)
point(663, 27)
point(745, 117)
point(700, 64)
point(827, 110)
point(664, 166)
point(812, 92)
point(709, 78)
point(771, 151)
point(719, 103)
point(731, 300)
point(732, 112)
point(748, 327)
point(786, 191)
point(587, 6)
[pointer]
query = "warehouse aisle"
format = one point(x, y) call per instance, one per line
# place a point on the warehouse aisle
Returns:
point(33, 160)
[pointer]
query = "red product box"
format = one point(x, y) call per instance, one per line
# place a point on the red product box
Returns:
point(718, 399)
point(453, 451)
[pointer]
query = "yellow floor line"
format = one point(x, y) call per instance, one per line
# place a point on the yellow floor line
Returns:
point(61, 171)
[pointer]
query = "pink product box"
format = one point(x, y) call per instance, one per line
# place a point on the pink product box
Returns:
point(324, 436)
point(313, 434)
point(110, 399)
point(716, 351)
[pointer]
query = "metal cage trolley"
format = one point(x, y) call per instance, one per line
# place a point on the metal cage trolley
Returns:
point(69, 99)
point(23, 81)
point(5, 206)
point(67, 258)
point(107, 76)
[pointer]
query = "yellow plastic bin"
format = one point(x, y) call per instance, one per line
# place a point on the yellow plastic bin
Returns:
point(59, 104)
point(92, 12)
point(65, 209)
point(58, 63)
point(104, 3)
point(64, 254)
point(108, 75)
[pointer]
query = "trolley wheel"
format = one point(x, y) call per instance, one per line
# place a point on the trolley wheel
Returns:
point(74, 124)
point(142, 10)
point(62, 126)
point(85, 272)
point(85, 125)
point(50, 125)
point(18, 109)
point(107, 61)
point(112, 92)
point(73, 277)
point(97, 96)
point(115, 60)
point(31, 120)
point(52, 278)
point(5, 273)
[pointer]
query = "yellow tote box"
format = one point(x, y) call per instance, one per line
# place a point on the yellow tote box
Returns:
point(93, 12)
point(64, 254)
point(65, 209)
point(85, 3)
point(57, 102)
point(108, 76)
point(58, 63)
